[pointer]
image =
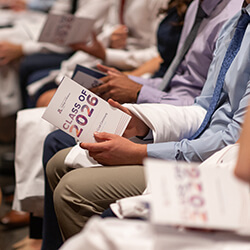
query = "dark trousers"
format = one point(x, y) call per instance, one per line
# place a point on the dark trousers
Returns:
point(38, 62)
point(54, 142)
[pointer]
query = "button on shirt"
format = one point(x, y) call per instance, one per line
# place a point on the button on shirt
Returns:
point(192, 72)
point(226, 121)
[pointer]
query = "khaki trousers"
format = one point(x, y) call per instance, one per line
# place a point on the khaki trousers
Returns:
point(83, 192)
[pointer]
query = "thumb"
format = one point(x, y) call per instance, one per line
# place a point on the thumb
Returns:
point(102, 68)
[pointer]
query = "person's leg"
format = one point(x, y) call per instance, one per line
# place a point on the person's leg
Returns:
point(108, 213)
point(54, 142)
point(30, 101)
point(36, 62)
point(84, 192)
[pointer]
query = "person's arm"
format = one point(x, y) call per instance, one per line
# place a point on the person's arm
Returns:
point(150, 67)
point(128, 60)
point(167, 123)
point(134, 89)
point(200, 149)
point(242, 168)
point(9, 52)
point(112, 149)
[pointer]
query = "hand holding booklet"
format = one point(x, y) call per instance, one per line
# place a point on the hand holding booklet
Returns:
point(79, 112)
point(198, 197)
point(66, 29)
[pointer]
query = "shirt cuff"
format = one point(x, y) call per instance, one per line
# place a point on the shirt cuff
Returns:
point(162, 150)
point(149, 95)
point(30, 47)
point(116, 57)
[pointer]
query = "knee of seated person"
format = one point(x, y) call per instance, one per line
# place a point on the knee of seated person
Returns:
point(58, 194)
point(66, 191)
point(56, 168)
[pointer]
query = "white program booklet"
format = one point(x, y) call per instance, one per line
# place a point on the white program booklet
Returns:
point(79, 112)
point(66, 29)
point(87, 77)
point(199, 197)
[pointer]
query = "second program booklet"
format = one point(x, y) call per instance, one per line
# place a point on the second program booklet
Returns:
point(65, 29)
point(79, 112)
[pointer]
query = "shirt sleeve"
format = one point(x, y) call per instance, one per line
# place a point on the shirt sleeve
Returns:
point(127, 60)
point(42, 5)
point(200, 149)
point(149, 94)
point(31, 47)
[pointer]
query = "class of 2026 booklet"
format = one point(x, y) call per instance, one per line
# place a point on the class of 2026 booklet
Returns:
point(185, 194)
point(79, 112)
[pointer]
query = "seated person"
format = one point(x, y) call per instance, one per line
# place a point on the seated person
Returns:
point(43, 63)
point(188, 78)
point(57, 140)
point(223, 16)
point(124, 40)
point(182, 133)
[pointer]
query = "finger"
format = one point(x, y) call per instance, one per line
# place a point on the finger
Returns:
point(119, 106)
point(114, 73)
point(103, 136)
point(92, 147)
point(105, 78)
point(116, 104)
point(104, 68)
point(101, 89)
point(106, 95)
point(99, 157)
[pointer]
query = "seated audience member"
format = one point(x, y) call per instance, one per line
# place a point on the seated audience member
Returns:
point(189, 133)
point(241, 170)
point(188, 81)
point(168, 35)
point(174, 28)
point(15, 46)
point(139, 235)
point(58, 140)
point(127, 43)
point(184, 92)
point(85, 7)
point(11, 33)
point(37, 65)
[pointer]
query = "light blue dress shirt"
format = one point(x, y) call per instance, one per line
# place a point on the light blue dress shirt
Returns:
point(192, 72)
point(225, 124)
point(42, 5)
